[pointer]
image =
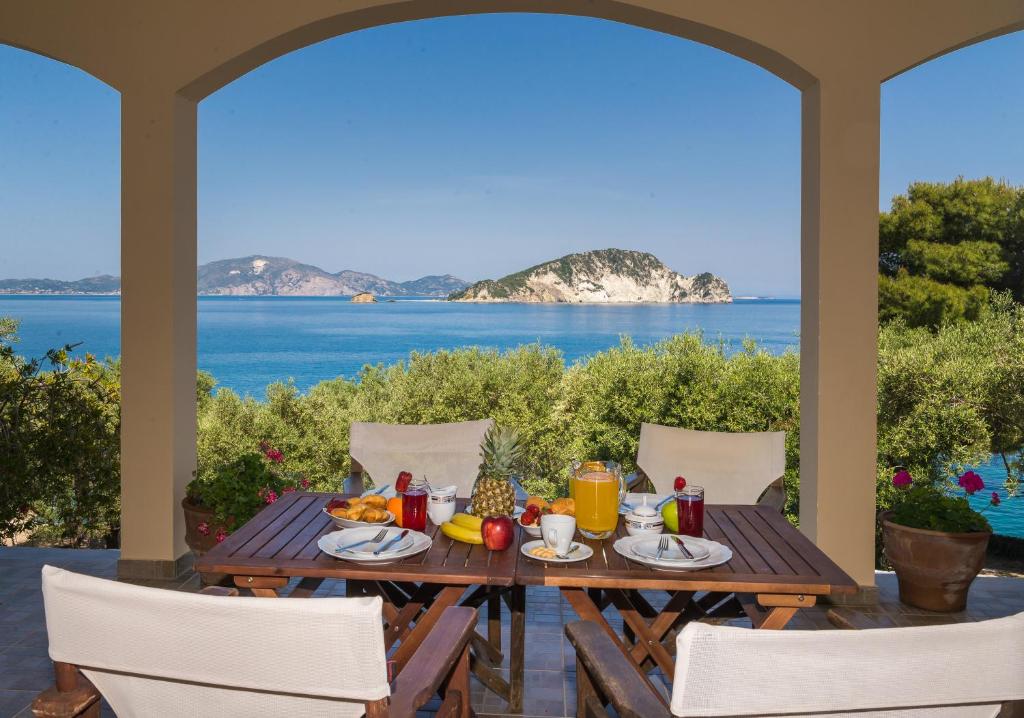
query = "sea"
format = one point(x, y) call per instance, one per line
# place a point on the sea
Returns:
point(247, 343)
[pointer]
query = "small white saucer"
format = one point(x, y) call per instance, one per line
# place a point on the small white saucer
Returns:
point(580, 554)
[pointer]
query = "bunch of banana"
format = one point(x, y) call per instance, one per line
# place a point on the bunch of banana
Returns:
point(463, 527)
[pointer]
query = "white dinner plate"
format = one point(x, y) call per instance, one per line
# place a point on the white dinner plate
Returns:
point(350, 524)
point(580, 554)
point(635, 500)
point(414, 543)
point(648, 548)
point(719, 554)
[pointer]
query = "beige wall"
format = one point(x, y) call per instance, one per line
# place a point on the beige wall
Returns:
point(166, 56)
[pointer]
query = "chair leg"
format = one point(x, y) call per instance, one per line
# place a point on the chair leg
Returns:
point(72, 697)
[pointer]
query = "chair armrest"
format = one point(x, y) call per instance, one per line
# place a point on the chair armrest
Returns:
point(433, 661)
point(615, 676)
point(635, 480)
point(774, 496)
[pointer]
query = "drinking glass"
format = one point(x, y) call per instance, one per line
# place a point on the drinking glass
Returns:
point(690, 509)
point(414, 508)
point(597, 487)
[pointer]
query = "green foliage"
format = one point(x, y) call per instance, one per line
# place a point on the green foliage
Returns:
point(59, 446)
point(238, 489)
point(926, 507)
point(942, 245)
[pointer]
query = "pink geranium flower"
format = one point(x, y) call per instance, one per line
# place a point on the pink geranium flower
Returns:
point(902, 478)
point(275, 455)
point(971, 482)
point(203, 528)
point(271, 496)
point(304, 483)
point(221, 534)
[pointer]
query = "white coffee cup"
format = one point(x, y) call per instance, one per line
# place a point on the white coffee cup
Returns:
point(557, 530)
point(441, 505)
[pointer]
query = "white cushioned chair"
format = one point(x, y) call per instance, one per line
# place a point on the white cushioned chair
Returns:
point(445, 453)
point(156, 652)
point(967, 670)
point(733, 468)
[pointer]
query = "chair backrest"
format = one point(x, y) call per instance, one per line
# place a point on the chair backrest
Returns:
point(445, 453)
point(962, 670)
point(153, 651)
point(732, 468)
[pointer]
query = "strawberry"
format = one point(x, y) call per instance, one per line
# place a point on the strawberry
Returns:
point(337, 504)
point(403, 481)
point(679, 484)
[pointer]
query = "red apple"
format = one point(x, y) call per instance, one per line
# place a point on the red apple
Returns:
point(403, 481)
point(497, 532)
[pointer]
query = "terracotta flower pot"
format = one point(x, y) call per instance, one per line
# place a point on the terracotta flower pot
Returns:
point(198, 542)
point(934, 569)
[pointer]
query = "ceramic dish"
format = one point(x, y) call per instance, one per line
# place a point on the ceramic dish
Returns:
point(634, 500)
point(580, 554)
point(413, 543)
point(718, 555)
point(530, 530)
point(350, 524)
point(648, 549)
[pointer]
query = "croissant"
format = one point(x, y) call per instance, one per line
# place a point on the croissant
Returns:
point(376, 501)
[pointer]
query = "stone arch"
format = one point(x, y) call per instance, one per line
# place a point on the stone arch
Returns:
point(627, 13)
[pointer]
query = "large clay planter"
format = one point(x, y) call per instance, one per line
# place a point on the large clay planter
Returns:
point(199, 543)
point(934, 569)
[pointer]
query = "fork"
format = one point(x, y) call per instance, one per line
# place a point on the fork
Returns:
point(662, 547)
point(376, 539)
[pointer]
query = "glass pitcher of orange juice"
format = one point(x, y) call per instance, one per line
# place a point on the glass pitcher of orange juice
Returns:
point(597, 488)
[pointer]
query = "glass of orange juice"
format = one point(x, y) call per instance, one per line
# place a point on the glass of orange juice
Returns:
point(598, 488)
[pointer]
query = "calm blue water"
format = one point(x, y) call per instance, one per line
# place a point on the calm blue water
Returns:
point(249, 342)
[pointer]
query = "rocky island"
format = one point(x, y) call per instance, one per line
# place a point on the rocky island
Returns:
point(602, 276)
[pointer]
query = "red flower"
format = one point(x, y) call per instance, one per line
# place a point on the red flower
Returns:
point(203, 528)
point(275, 455)
point(971, 482)
point(902, 478)
point(271, 496)
point(221, 534)
point(304, 483)
point(287, 489)
point(995, 499)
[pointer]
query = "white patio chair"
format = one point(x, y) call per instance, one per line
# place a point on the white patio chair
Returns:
point(967, 670)
point(445, 453)
point(733, 468)
point(156, 652)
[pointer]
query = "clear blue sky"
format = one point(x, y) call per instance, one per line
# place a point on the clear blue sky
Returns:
point(481, 145)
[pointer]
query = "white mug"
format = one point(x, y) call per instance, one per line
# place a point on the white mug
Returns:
point(557, 531)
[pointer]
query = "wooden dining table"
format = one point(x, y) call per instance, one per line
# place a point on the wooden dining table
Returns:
point(774, 572)
point(279, 545)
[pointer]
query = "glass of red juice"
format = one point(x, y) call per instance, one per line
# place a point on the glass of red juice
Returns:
point(690, 509)
point(414, 508)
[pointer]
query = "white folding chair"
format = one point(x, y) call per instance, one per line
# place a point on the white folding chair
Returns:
point(156, 652)
point(446, 454)
point(967, 670)
point(733, 468)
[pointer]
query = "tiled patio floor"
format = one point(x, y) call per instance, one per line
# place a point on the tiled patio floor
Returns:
point(550, 664)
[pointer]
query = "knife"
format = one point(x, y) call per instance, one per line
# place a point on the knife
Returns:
point(391, 543)
point(682, 547)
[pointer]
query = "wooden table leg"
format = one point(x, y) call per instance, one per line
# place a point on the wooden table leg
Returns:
point(586, 609)
point(659, 624)
point(306, 588)
point(778, 617)
point(448, 596)
point(494, 618)
point(262, 586)
point(517, 649)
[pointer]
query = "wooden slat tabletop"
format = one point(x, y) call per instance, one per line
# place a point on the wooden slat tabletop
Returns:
point(769, 556)
point(282, 541)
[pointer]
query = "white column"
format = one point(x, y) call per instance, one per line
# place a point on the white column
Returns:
point(158, 328)
point(839, 319)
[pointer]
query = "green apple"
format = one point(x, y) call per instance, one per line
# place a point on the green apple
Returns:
point(671, 516)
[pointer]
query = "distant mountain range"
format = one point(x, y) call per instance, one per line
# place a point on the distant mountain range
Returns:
point(259, 276)
point(601, 276)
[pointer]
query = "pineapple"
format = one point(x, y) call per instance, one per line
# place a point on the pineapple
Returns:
point(493, 493)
